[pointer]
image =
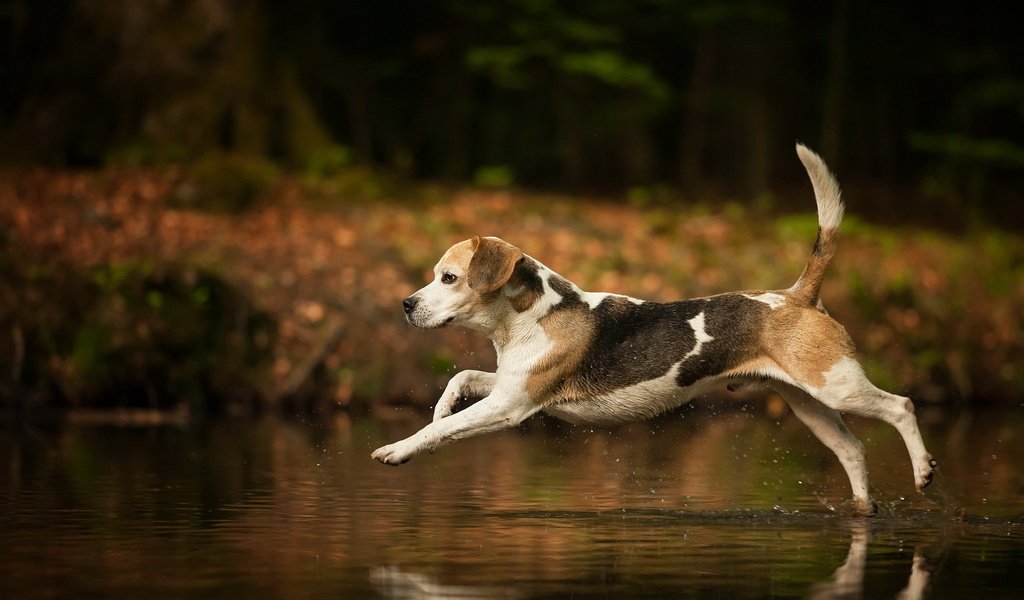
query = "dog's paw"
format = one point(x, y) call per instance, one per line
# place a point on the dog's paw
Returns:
point(445, 407)
point(442, 411)
point(391, 455)
point(865, 507)
point(926, 474)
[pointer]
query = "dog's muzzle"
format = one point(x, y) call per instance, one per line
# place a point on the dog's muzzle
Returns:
point(409, 304)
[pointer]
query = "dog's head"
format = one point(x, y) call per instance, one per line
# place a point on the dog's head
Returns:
point(466, 282)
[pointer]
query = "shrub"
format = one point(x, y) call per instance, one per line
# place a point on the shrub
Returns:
point(228, 183)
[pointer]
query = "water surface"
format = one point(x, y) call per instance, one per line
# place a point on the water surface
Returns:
point(690, 505)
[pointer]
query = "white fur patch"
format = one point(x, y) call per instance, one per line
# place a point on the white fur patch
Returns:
point(699, 334)
point(593, 299)
point(549, 298)
point(826, 188)
point(844, 383)
point(770, 298)
point(639, 401)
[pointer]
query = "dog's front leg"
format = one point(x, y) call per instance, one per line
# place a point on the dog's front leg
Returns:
point(474, 384)
point(495, 412)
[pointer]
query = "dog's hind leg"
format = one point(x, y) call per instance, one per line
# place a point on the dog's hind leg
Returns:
point(826, 424)
point(471, 384)
point(849, 390)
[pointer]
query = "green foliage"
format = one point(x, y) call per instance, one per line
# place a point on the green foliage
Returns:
point(129, 334)
point(797, 227)
point(969, 150)
point(544, 43)
point(612, 68)
point(41, 306)
point(147, 154)
point(503, 64)
point(651, 195)
point(354, 184)
point(494, 176)
point(330, 162)
point(442, 364)
point(224, 182)
point(163, 334)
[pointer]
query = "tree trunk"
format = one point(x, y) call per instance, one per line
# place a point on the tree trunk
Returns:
point(570, 136)
point(459, 133)
point(638, 158)
point(360, 126)
point(835, 86)
point(755, 86)
point(696, 102)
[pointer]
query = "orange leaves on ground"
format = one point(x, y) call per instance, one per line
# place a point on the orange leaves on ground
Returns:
point(355, 262)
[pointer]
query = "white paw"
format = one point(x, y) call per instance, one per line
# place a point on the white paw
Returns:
point(392, 454)
point(442, 412)
point(925, 474)
point(445, 406)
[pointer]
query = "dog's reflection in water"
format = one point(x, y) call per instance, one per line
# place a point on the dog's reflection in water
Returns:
point(846, 582)
point(392, 582)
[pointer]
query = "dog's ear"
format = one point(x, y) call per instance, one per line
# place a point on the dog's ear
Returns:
point(492, 264)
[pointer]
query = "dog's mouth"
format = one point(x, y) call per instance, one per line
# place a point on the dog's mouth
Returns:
point(440, 325)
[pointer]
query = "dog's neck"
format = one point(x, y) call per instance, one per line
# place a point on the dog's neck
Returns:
point(512, 316)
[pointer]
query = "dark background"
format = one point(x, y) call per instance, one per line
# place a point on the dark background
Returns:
point(701, 97)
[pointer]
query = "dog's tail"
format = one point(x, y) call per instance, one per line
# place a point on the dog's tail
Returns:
point(830, 215)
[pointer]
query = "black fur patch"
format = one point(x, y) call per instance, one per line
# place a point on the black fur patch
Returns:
point(734, 323)
point(639, 342)
point(563, 288)
point(817, 244)
point(527, 274)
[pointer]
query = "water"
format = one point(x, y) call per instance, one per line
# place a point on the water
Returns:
point(691, 505)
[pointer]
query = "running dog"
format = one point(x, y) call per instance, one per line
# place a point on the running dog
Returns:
point(590, 357)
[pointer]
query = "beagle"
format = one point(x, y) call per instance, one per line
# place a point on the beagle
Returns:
point(590, 357)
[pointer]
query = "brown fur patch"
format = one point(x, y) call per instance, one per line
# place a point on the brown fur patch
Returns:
point(459, 255)
point(572, 330)
point(808, 285)
point(754, 368)
point(492, 263)
point(522, 302)
point(804, 342)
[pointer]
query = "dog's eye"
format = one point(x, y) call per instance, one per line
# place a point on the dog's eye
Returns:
point(447, 277)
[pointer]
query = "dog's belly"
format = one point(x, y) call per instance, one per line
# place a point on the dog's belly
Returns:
point(633, 403)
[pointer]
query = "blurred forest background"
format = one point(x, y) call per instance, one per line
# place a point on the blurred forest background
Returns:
point(216, 206)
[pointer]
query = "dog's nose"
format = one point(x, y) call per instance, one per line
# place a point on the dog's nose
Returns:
point(410, 303)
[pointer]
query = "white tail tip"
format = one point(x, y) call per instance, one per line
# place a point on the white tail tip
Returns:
point(826, 188)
